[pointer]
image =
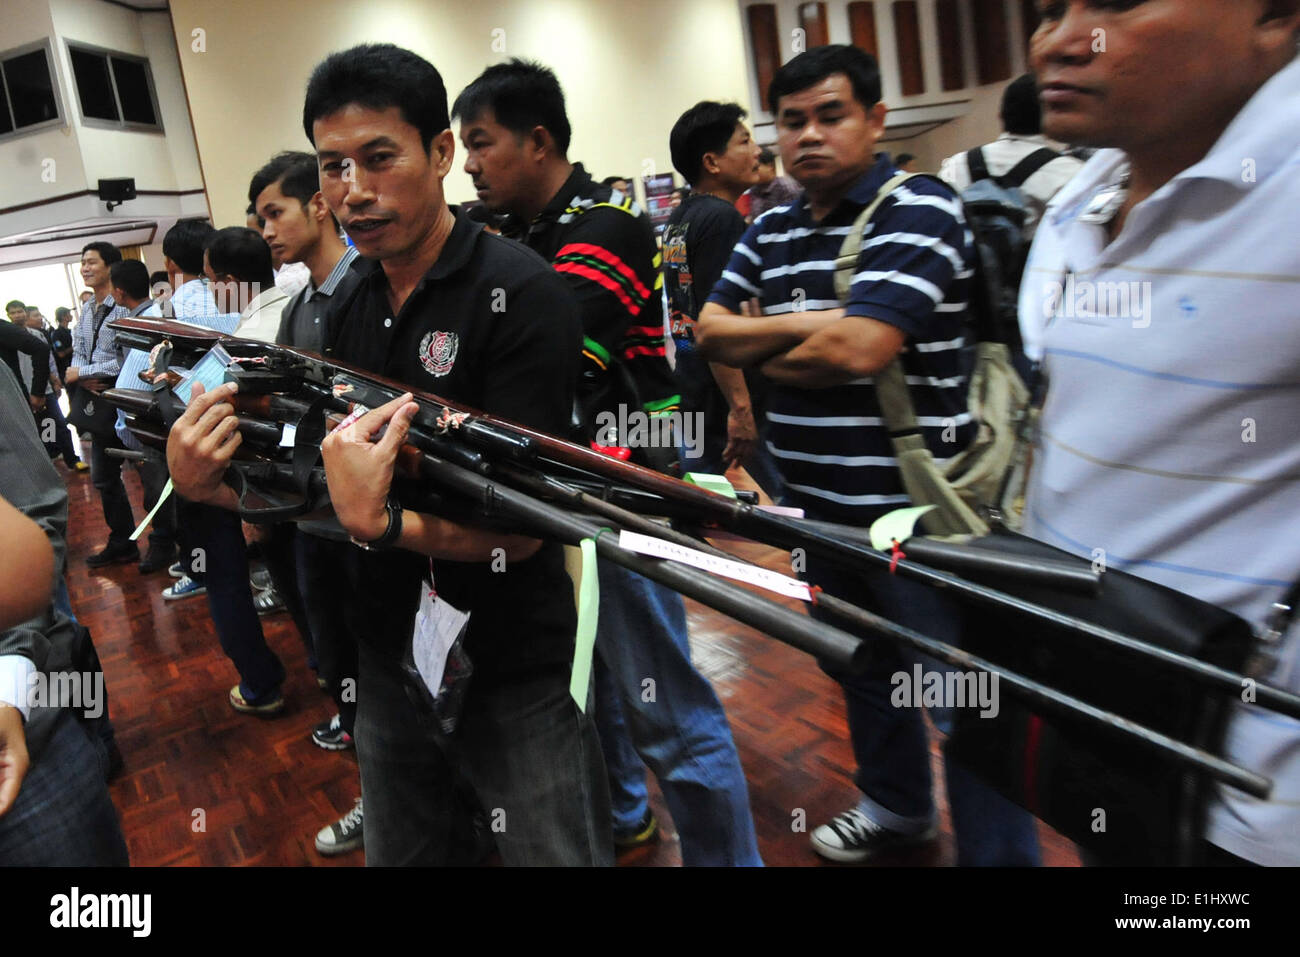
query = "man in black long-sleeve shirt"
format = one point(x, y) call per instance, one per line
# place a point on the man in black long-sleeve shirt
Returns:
point(14, 338)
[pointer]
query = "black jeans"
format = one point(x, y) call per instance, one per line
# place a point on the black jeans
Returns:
point(323, 582)
point(50, 420)
point(528, 753)
point(153, 479)
point(106, 475)
point(213, 548)
point(279, 552)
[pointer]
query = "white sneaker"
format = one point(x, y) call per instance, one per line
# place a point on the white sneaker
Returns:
point(853, 837)
point(343, 835)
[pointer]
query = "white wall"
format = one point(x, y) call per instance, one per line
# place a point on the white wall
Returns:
point(146, 156)
point(979, 126)
point(629, 69)
point(26, 159)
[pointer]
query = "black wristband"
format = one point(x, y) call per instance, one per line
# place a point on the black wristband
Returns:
point(391, 533)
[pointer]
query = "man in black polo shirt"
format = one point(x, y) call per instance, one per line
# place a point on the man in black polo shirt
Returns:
point(516, 132)
point(451, 309)
point(711, 147)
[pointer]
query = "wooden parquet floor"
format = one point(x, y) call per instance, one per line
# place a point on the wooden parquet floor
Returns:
point(204, 785)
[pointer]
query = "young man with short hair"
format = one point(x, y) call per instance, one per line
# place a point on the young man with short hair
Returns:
point(712, 149)
point(424, 313)
point(297, 224)
point(516, 133)
point(908, 295)
point(61, 339)
point(769, 192)
point(97, 360)
point(1168, 435)
point(50, 422)
point(130, 283)
point(238, 265)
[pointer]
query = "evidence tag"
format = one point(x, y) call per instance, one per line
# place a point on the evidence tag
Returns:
point(438, 658)
point(210, 370)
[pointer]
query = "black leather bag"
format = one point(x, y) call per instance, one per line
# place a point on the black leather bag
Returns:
point(1122, 802)
point(89, 412)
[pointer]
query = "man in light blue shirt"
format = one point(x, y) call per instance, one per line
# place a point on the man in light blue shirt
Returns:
point(1160, 294)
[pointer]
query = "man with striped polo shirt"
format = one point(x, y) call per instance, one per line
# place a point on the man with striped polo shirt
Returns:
point(908, 299)
point(1161, 294)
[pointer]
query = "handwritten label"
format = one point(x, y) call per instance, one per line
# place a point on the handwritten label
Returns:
point(737, 571)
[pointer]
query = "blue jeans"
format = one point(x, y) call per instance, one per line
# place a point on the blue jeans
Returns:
point(63, 816)
point(649, 694)
point(890, 743)
point(230, 599)
point(522, 747)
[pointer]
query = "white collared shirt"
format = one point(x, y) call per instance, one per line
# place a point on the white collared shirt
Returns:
point(1002, 155)
point(1170, 439)
point(261, 317)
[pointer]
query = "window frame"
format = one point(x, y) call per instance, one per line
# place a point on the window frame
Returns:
point(60, 119)
point(119, 124)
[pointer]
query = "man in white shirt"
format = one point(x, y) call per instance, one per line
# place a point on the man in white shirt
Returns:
point(238, 263)
point(1160, 294)
point(1022, 157)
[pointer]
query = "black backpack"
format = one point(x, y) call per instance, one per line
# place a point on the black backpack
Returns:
point(997, 210)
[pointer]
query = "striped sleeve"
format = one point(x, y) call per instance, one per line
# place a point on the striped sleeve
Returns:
point(916, 248)
point(741, 279)
point(612, 265)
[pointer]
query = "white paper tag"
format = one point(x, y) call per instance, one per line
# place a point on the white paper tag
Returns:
point(762, 577)
point(287, 437)
point(437, 626)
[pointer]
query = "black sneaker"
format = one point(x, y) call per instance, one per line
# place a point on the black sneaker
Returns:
point(642, 834)
point(331, 736)
point(156, 559)
point(853, 837)
point(343, 835)
point(114, 555)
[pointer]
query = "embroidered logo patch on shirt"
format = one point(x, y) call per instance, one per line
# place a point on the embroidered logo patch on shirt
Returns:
point(438, 352)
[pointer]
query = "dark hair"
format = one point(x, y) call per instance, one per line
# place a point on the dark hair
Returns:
point(378, 76)
point(33, 308)
point(820, 62)
point(611, 180)
point(521, 95)
point(107, 252)
point(904, 158)
point(295, 171)
point(160, 276)
point(241, 254)
point(60, 312)
point(132, 277)
point(1021, 113)
point(185, 242)
point(706, 127)
point(17, 302)
point(766, 157)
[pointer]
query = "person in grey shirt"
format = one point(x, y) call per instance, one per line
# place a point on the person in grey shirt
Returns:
point(55, 808)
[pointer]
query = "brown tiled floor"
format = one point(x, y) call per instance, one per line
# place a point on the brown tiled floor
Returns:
point(205, 785)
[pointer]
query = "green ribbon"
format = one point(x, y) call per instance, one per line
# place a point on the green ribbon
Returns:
point(588, 611)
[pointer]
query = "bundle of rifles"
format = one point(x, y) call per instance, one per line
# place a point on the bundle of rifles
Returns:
point(1145, 714)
